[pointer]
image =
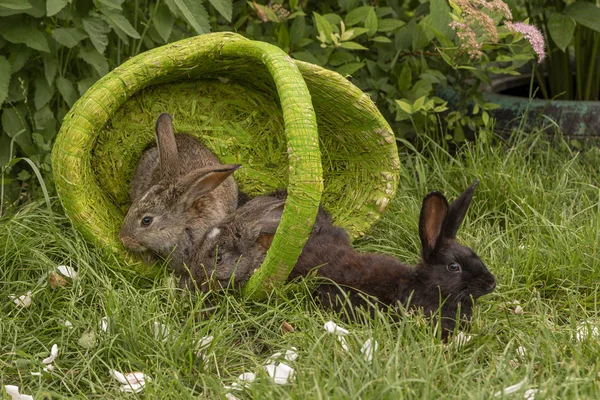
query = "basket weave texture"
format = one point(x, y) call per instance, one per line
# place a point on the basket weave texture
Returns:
point(250, 103)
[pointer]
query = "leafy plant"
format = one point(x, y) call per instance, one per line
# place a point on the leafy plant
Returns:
point(572, 31)
point(52, 51)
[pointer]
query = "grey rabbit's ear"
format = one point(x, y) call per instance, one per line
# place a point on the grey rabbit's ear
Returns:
point(167, 147)
point(433, 213)
point(268, 223)
point(202, 181)
point(458, 210)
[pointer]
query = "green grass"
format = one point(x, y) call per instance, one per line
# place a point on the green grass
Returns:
point(535, 221)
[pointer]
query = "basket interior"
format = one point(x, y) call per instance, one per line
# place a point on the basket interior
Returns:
point(243, 123)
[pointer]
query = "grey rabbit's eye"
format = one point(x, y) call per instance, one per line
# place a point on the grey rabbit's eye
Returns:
point(146, 221)
point(453, 267)
point(218, 258)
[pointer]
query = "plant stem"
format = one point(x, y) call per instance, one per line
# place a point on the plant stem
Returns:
point(591, 67)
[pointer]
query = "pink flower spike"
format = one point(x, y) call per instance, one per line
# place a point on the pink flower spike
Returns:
point(533, 36)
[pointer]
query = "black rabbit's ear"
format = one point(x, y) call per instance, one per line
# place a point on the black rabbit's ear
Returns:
point(431, 220)
point(167, 147)
point(457, 212)
point(268, 223)
point(202, 181)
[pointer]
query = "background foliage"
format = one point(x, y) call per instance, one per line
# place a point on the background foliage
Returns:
point(399, 52)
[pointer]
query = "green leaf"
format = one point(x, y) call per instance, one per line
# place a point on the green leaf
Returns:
point(69, 37)
point(195, 14)
point(357, 15)
point(117, 20)
point(283, 37)
point(4, 150)
point(50, 68)
point(27, 34)
point(13, 123)
point(163, 22)
point(350, 68)
point(381, 39)
point(67, 91)
point(95, 59)
point(19, 55)
point(352, 46)
point(439, 17)
point(584, 13)
point(307, 57)
point(371, 22)
point(405, 106)
point(15, 4)
point(84, 84)
point(43, 92)
point(389, 24)
point(43, 118)
point(97, 29)
point(116, 4)
point(54, 6)
point(323, 27)
point(224, 7)
point(5, 68)
point(297, 30)
point(418, 104)
point(561, 29)
point(405, 78)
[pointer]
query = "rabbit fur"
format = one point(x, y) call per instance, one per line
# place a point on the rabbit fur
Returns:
point(447, 280)
point(182, 189)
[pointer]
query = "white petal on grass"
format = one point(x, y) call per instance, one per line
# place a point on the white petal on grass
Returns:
point(117, 375)
point(13, 392)
point(281, 373)
point(332, 327)
point(161, 332)
point(49, 368)
point(36, 373)
point(342, 340)
point(66, 323)
point(511, 389)
point(104, 322)
point(462, 339)
point(586, 330)
point(132, 381)
point(289, 355)
point(67, 271)
point(518, 310)
point(203, 345)
point(133, 387)
point(53, 353)
point(368, 349)
point(243, 381)
point(521, 352)
point(21, 301)
point(230, 396)
point(530, 394)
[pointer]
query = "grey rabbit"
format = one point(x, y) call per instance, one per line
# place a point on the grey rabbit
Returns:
point(448, 273)
point(179, 189)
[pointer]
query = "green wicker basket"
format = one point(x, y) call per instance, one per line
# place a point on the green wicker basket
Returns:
point(251, 104)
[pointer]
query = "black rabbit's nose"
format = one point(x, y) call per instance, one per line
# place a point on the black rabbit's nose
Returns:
point(491, 285)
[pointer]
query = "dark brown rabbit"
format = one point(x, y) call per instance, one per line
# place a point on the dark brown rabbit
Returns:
point(449, 274)
point(178, 190)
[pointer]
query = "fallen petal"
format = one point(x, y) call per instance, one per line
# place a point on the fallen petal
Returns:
point(53, 354)
point(344, 343)
point(67, 271)
point(281, 373)
point(13, 392)
point(511, 389)
point(368, 349)
point(521, 352)
point(22, 301)
point(161, 332)
point(287, 328)
point(56, 280)
point(133, 387)
point(462, 339)
point(289, 355)
point(247, 377)
point(203, 344)
point(586, 330)
point(229, 396)
point(332, 327)
point(118, 376)
point(137, 377)
point(104, 324)
point(530, 394)
point(66, 323)
point(518, 310)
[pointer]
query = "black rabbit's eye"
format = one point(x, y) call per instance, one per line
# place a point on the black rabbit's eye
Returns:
point(146, 221)
point(453, 267)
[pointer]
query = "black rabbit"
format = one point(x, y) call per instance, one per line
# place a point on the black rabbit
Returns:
point(448, 278)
